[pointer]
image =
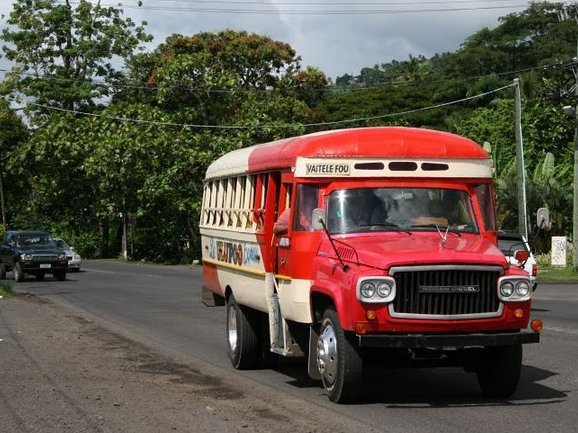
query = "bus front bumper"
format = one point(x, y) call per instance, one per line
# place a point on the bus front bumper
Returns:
point(447, 340)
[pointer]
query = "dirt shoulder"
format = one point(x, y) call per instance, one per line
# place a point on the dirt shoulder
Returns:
point(62, 373)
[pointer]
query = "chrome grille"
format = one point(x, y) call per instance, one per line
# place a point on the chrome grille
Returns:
point(44, 258)
point(446, 291)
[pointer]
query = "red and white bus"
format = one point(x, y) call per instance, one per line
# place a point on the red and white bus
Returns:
point(390, 251)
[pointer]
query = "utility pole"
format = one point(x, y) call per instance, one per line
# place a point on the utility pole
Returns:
point(522, 215)
point(575, 202)
point(2, 187)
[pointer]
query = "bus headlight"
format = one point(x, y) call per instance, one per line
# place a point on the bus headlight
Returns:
point(514, 289)
point(522, 289)
point(367, 290)
point(507, 289)
point(376, 289)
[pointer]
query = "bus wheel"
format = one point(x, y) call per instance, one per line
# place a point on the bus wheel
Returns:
point(339, 361)
point(242, 338)
point(499, 371)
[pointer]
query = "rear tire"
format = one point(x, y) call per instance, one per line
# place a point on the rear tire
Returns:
point(499, 371)
point(339, 361)
point(2, 271)
point(242, 336)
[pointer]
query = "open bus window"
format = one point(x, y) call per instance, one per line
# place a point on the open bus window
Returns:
point(371, 209)
point(305, 202)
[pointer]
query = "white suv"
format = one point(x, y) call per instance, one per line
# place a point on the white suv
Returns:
point(509, 242)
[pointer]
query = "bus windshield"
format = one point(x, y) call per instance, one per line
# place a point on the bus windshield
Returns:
point(415, 209)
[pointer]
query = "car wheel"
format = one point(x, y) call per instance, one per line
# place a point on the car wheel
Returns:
point(18, 273)
point(339, 361)
point(2, 271)
point(60, 275)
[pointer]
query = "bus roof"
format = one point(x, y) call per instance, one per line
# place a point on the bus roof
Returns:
point(369, 143)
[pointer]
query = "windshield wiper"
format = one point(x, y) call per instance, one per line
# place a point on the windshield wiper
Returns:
point(395, 227)
point(435, 226)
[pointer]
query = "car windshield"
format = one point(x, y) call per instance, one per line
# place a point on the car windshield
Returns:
point(34, 239)
point(61, 244)
point(415, 209)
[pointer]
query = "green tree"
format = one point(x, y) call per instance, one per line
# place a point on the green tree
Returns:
point(12, 130)
point(64, 56)
point(146, 152)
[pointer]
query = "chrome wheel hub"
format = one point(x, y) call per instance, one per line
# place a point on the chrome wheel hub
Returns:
point(232, 329)
point(327, 355)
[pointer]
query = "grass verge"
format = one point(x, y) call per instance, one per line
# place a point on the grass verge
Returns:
point(548, 273)
point(6, 290)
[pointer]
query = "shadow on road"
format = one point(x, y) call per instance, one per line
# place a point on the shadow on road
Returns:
point(433, 387)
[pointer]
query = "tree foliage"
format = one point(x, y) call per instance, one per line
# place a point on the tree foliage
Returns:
point(137, 141)
point(146, 152)
point(64, 56)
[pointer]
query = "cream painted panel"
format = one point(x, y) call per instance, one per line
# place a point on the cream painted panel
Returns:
point(294, 300)
point(249, 289)
point(344, 167)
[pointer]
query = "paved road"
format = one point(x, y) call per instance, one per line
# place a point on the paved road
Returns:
point(160, 307)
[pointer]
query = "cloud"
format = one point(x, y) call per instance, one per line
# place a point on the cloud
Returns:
point(335, 42)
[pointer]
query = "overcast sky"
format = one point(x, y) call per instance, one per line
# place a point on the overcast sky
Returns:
point(338, 37)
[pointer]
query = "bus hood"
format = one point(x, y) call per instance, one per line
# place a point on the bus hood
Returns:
point(419, 249)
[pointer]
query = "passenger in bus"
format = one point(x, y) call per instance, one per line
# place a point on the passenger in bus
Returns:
point(306, 202)
point(282, 223)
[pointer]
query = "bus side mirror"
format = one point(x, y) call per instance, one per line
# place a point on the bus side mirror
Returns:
point(318, 219)
point(543, 218)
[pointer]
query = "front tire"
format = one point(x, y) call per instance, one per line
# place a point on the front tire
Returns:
point(18, 273)
point(60, 275)
point(339, 361)
point(499, 371)
point(242, 336)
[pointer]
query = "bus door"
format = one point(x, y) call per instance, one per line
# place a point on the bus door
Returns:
point(297, 239)
point(282, 227)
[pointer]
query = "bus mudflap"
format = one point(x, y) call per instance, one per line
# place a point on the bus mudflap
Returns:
point(211, 299)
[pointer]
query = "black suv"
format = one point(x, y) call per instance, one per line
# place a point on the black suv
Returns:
point(31, 252)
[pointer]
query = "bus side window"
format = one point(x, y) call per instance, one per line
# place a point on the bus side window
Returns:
point(484, 193)
point(305, 202)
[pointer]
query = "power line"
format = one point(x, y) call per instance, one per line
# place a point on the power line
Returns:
point(326, 3)
point(354, 88)
point(288, 126)
point(270, 9)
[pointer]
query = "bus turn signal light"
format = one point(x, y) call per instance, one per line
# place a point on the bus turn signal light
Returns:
point(370, 314)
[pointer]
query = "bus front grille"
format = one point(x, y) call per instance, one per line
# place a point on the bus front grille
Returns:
point(446, 292)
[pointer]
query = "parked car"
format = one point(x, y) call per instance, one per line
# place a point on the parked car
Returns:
point(509, 242)
point(74, 259)
point(31, 252)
